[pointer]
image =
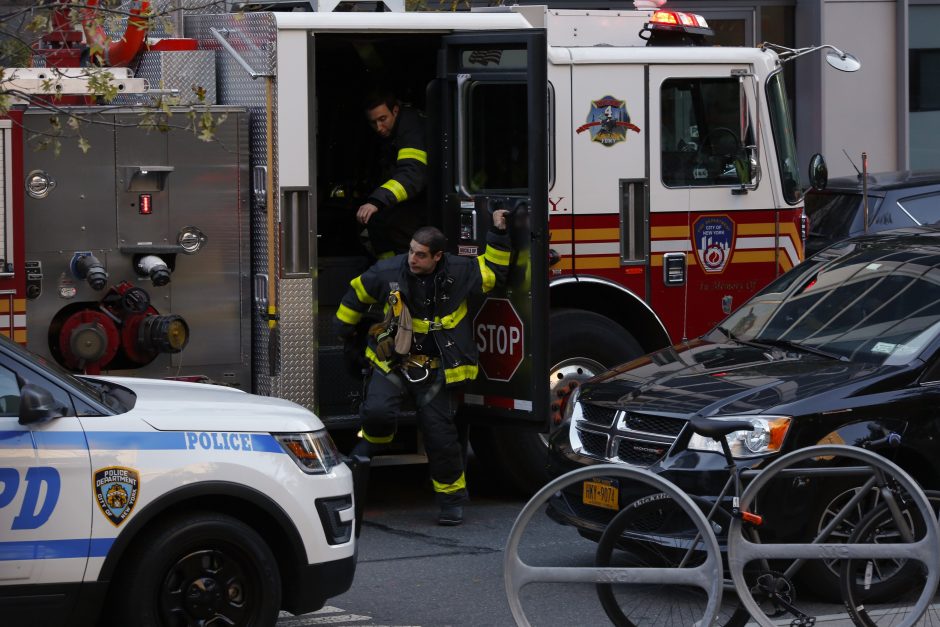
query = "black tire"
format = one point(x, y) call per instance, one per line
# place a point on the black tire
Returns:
point(823, 576)
point(195, 567)
point(898, 583)
point(581, 345)
point(621, 545)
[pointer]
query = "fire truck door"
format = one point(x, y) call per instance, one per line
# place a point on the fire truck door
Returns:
point(704, 195)
point(491, 105)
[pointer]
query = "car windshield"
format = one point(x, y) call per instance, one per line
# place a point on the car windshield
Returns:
point(874, 303)
point(93, 392)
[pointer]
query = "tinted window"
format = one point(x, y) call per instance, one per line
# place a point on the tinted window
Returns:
point(498, 144)
point(925, 209)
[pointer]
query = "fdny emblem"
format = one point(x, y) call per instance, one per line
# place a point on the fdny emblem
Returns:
point(713, 239)
point(116, 491)
point(608, 121)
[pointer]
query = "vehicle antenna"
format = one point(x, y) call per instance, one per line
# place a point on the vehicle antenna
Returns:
point(852, 162)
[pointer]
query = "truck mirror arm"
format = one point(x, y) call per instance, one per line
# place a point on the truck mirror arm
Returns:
point(842, 61)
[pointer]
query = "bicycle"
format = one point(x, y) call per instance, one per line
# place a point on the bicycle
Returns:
point(653, 533)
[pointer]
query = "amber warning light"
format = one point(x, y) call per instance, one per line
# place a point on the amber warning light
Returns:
point(145, 204)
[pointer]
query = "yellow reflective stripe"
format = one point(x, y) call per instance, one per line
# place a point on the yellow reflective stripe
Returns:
point(384, 439)
point(449, 321)
point(361, 292)
point(489, 279)
point(386, 255)
point(381, 365)
point(497, 256)
point(460, 373)
point(413, 153)
point(396, 188)
point(450, 488)
point(347, 315)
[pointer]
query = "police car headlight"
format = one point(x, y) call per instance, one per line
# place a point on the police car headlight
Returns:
point(766, 438)
point(314, 451)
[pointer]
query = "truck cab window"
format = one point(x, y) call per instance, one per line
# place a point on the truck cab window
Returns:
point(498, 149)
point(704, 130)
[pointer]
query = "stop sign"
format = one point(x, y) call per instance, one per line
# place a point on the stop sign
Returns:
point(498, 331)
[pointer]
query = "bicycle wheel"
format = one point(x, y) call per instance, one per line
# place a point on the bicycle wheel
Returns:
point(881, 592)
point(655, 532)
point(706, 576)
point(743, 551)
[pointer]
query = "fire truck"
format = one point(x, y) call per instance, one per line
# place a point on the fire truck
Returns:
point(652, 182)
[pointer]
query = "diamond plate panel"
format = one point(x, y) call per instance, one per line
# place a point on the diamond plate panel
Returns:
point(180, 70)
point(253, 35)
point(298, 361)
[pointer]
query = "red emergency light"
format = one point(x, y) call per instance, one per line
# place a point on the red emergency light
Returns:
point(676, 28)
point(678, 18)
point(145, 204)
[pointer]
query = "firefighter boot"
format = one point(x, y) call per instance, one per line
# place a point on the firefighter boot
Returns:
point(451, 513)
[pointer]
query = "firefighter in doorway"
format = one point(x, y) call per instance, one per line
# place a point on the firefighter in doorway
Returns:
point(424, 347)
point(396, 207)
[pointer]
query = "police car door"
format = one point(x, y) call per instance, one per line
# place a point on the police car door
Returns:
point(491, 99)
point(45, 497)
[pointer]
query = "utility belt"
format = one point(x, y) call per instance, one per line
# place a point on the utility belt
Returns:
point(417, 368)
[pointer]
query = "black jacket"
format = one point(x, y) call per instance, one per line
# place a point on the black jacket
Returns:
point(403, 161)
point(458, 281)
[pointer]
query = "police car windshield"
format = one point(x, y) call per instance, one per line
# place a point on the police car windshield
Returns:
point(58, 372)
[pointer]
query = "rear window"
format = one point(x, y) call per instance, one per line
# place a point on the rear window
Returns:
point(832, 216)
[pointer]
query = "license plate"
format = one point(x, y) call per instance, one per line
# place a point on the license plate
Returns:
point(601, 493)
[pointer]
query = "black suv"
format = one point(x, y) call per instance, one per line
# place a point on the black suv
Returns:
point(844, 348)
point(895, 200)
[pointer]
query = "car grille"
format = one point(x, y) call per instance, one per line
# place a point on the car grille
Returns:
point(625, 436)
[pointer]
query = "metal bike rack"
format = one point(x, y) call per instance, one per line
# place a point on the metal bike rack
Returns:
point(707, 576)
point(741, 551)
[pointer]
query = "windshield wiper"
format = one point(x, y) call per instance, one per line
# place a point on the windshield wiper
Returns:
point(800, 347)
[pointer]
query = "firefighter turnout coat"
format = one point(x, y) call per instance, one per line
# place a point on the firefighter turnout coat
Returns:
point(402, 164)
point(460, 281)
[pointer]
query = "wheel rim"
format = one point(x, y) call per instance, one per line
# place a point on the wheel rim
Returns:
point(567, 371)
point(209, 587)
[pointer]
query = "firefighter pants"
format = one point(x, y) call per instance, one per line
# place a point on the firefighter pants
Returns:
point(382, 407)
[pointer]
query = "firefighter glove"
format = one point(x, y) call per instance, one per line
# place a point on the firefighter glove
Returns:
point(384, 341)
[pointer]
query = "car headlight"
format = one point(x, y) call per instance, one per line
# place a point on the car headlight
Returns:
point(767, 437)
point(313, 451)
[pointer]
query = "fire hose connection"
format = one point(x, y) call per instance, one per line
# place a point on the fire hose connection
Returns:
point(86, 266)
point(154, 267)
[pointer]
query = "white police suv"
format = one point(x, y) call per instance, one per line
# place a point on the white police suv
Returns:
point(146, 502)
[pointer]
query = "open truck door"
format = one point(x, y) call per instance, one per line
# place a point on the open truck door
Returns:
point(490, 136)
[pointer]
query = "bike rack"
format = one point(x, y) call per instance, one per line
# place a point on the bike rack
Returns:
point(517, 574)
point(742, 551)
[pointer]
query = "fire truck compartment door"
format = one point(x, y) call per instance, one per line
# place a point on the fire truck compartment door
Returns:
point(491, 99)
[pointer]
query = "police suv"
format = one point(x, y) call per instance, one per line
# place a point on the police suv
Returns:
point(146, 502)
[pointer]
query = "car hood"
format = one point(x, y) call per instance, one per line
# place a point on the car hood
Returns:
point(183, 406)
point(721, 379)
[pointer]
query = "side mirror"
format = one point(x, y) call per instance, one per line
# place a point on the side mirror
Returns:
point(38, 405)
point(818, 172)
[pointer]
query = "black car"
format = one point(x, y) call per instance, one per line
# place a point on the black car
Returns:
point(895, 200)
point(844, 348)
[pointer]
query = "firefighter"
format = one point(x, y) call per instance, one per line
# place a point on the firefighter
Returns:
point(424, 347)
point(396, 207)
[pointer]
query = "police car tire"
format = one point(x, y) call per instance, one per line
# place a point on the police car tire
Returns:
point(147, 568)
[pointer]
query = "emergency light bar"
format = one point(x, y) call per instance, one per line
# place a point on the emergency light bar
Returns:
point(675, 28)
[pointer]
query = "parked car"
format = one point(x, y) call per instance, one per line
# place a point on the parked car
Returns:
point(895, 200)
point(844, 348)
point(151, 502)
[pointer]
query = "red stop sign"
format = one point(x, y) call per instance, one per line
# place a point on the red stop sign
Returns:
point(498, 330)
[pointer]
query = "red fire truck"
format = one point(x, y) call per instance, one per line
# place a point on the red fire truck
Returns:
point(652, 180)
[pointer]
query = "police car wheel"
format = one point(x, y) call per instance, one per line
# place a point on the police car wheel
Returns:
point(201, 568)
